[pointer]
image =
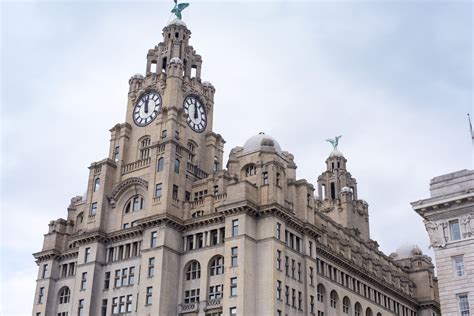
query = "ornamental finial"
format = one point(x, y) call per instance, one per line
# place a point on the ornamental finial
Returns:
point(334, 142)
point(178, 8)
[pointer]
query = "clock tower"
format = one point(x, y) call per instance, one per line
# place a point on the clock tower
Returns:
point(167, 138)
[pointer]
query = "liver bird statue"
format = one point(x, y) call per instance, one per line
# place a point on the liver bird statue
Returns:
point(178, 8)
point(334, 142)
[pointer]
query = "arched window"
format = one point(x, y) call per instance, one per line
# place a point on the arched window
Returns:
point(193, 271)
point(368, 312)
point(321, 291)
point(357, 309)
point(217, 266)
point(134, 204)
point(80, 218)
point(250, 170)
point(96, 184)
point(333, 299)
point(379, 314)
point(145, 151)
point(160, 165)
point(176, 165)
point(346, 305)
point(64, 295)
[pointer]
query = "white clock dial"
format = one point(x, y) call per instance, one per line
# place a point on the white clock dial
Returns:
point(197, 118)
point(147, 108)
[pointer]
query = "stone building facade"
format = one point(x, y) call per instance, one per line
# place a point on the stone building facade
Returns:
point(166, 229)
point(449, 220)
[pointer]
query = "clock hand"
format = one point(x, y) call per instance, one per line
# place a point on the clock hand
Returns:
point(195, 111)
point(146, 106)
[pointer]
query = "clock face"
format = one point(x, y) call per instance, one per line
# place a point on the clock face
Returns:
point(146, 109)
point(197, 118)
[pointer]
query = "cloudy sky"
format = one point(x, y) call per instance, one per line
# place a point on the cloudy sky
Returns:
point(394, 78)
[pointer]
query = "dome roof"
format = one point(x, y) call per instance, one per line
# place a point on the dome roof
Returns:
point(207, 84)
point(176, 60)
point(406, 251)
point(177, 22)
point(137, 76)
point(261, 141)
point(336, 153)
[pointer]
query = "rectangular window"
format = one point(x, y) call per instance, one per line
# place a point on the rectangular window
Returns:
point(278, 230)
point(216, 292)
point(107, 280)
point(87, 254)
point(149, 293)
point(115, 305)
point(311, 276)
point(175, 192)
point(191, 296)
point(45, 271)
point(278, 292)
point(463, 304)
point(310, 248)
point(287, 266)
point(164, 133)
point(116, 153)
point(299, 271)
point(131, 276)
point(234, 256)
point(103, 310)
point(117, 278)
point(41, 295)
point(455, 230)
point(293, 297)
point(293, 268)
point(158, 190)
point(124, 277)
point(94, 208)
point(233, 286)
point(80, 308)
point(287, 295)
point(151, 267)
point(83, 280)
point(265, 177)
point(458, 266)
point(122, 304)
point(235, 227)
point(278, 262)
point(153, 239)
point(300, 300)
point(129, 303)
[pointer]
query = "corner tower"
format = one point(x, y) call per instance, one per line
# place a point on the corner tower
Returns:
point(338, 196)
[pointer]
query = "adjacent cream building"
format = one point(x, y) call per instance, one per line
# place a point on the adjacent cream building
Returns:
point(166, 229)
point(449, 220)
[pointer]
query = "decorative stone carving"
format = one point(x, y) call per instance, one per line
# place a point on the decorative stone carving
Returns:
point(467, 223)
point(436, 233)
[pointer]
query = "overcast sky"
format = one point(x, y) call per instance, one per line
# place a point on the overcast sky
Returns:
point(394, 78)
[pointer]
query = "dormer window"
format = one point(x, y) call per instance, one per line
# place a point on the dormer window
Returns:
point(134, 204)
point(250, 170)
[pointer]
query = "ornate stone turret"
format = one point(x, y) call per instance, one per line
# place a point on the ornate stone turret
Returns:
point(338, 196)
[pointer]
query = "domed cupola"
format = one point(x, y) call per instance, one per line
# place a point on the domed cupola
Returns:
point(261, 142)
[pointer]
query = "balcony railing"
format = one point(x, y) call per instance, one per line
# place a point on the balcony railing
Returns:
point(214, 303)
point(195, 171)
point(136, 165)
point(188, 307)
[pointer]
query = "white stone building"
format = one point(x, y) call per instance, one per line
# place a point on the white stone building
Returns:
point(449, 220)
point(165, 229)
